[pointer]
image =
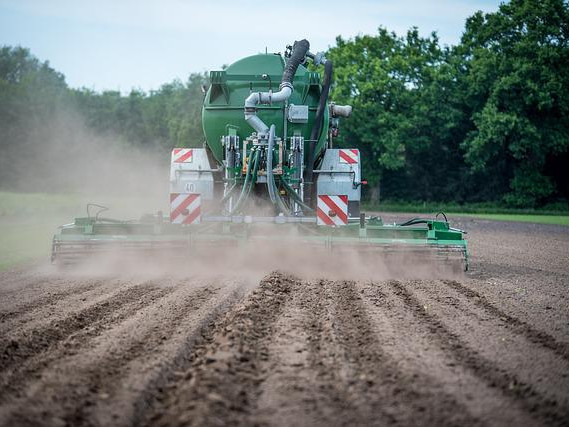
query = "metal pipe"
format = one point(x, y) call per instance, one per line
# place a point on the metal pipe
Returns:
point(315, 132)
point(256, 123)
point(264, 98)
point(219, 169)
point(297, 56)
point(245, 184)
point(331, 171)
point(341, 110)
point(296, 197)
point(255, 219)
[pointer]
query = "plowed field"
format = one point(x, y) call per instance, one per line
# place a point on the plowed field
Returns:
point(489, 348)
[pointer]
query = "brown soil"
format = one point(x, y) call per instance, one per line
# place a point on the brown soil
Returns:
point(489, 348)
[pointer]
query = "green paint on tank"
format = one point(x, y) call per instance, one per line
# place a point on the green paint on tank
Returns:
point(223, 113)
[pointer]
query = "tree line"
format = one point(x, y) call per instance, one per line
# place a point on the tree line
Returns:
point(485, 120)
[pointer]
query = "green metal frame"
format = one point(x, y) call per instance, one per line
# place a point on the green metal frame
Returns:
point(89, 234)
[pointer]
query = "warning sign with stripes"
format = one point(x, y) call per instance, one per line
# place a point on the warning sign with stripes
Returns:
point(185, 208)
point(332, 210)
point(349, 156)
point(181, 155)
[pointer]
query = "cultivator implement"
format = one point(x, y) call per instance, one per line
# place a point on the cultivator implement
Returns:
point(267, 177)
point(156, 237)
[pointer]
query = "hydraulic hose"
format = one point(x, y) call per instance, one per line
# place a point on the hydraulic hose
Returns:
point(244, 192)
point(315, 133)
point(281, 205)
point(299, 51)
point(295, 196)
point(254, 175)
point(326, 82)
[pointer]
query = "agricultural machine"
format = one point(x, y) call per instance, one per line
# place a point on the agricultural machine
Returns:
point(268, 173)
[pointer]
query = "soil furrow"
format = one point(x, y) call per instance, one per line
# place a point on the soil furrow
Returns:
point(18, 282)
point(547, 410)
point(152, 347)
point(222, 385)
point(106, 379)
point(25, 355)
point(494, 340)
point(325, 357)
point(302, 386)
point(531, 334)
point(38, 314)
point(408, 341)
point(85, 384)
point(19, 347)
point(384, 393)
point(180, 361)
point(51, 299)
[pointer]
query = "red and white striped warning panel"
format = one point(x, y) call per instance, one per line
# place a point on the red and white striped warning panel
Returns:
point(181, 155)
point(332, 210)
point(349, 156)
point(185, 208)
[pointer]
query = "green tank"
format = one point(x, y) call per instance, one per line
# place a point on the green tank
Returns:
point(223, 113)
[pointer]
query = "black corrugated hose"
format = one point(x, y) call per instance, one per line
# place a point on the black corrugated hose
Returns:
point(315, 133)
point(299, 51)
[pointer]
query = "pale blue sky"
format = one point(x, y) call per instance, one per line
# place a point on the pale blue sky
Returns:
point(121, 44)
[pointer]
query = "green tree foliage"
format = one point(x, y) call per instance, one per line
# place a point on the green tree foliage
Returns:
point(29, 92)
point(35, 102)
point(486, 120)
point(406, 120)
point(168, 117)
point(515, 80)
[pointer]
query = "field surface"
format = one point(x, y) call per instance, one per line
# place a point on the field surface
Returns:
point(489, 348)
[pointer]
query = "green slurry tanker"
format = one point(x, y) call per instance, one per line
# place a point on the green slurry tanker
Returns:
point(267, 172)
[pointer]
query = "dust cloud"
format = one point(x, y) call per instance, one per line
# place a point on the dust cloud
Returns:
point(249, 262)
point(67, 157)
point(57, 168)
